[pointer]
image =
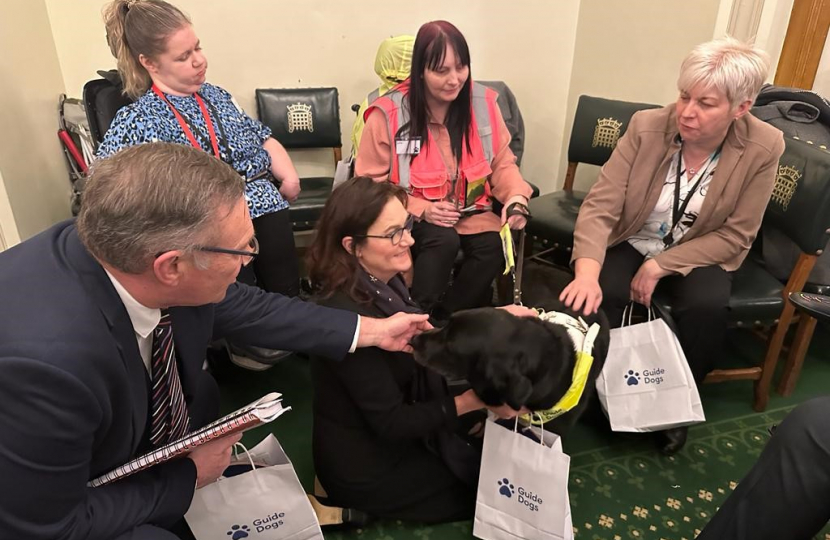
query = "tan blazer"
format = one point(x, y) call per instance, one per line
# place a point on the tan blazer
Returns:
point(631, 181)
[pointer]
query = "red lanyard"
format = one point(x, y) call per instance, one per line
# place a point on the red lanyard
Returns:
point(187, 131)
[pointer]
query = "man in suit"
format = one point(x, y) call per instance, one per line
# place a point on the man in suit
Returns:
point(88, 376)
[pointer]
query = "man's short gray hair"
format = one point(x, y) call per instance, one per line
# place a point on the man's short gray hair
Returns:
point(731, 66)
point(152, 198)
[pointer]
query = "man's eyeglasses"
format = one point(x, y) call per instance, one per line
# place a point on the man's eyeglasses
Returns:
point(395, 236)
point(247, 256)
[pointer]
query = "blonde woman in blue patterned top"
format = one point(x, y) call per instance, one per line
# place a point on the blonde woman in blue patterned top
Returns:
point(163, 68)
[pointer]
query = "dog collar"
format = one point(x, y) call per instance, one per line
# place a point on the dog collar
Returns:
point(583, 337)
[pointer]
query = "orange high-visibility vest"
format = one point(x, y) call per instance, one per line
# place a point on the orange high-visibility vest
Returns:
point(425, 175)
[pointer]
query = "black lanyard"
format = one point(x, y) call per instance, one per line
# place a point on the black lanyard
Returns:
point(677, 209)
point(223, 139)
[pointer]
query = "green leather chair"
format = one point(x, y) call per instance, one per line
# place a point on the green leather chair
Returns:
point(598, 124)
point(304, 118)
point(800, 209)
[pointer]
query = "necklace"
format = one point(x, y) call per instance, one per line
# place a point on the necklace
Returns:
point(693, 170)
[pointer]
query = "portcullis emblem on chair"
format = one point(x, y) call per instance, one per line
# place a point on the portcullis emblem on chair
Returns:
point(300, 118)
point(785, 185)
point(606, 133)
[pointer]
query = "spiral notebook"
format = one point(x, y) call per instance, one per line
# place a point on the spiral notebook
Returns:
point(266, 409)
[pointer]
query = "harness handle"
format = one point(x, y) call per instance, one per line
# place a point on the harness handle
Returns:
point(518, 208)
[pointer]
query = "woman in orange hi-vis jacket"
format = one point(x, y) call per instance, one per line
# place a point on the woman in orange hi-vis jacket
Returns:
point(442, 137)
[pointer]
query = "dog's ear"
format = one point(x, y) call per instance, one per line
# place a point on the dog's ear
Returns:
point(517, 391)
point(507, 384)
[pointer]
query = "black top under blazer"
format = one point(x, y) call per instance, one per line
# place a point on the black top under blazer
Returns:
point(368, 416)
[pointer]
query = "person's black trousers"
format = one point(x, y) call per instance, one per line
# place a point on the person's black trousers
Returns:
point(150, 532)
point(435, 251)
point(276, 267)
point(420, 488)
point(786, 494)
point(699, 303)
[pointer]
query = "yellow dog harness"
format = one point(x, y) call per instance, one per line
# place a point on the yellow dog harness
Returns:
point(583, 338)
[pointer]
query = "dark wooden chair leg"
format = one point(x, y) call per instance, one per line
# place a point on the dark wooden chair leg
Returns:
point(570, 176)
point(762, 385)
point(795, 358)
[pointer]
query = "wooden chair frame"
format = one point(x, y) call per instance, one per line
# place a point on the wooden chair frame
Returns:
point(763, 373)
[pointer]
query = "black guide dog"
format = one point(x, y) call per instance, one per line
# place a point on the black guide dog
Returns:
point(518, 361)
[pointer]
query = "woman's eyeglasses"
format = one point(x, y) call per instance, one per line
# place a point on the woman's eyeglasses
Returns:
point(395, 236)
point(247, 256)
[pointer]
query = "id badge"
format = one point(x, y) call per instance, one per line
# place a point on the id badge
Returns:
point(410, 147)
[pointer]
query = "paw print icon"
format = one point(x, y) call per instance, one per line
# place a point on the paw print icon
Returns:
point(632, 378)
point(238, 531)
point(506, 488)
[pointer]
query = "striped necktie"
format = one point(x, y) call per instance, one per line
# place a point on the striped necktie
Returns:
point(169, 419)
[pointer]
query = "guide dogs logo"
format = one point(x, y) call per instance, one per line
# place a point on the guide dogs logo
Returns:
point(529, 499)
point(650, 376)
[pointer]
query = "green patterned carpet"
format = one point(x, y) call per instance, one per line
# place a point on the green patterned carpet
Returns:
point(620, 486)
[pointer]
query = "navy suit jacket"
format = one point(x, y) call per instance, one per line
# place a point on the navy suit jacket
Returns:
point(75, 391)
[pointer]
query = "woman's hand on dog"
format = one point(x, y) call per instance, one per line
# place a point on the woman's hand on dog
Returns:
point(519, 311)
point(469, 402)
point(584, 290)
point(505, 412)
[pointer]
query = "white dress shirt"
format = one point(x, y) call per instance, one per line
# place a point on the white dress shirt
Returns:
point(144, 321)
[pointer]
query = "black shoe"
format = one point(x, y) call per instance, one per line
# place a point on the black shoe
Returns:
point(262, 358)
point(355, 518)
point(334, 515)
point(673, 440)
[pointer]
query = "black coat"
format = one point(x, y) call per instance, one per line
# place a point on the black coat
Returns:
point(368, 411)
point(384, 435)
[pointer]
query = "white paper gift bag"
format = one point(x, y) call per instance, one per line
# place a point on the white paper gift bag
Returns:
point(266, 503)
point(646, 383)
point(522, 488)
point(554, 441)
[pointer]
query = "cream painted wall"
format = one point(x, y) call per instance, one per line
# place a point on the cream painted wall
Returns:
point(262, 43)
point(631, 50)
point(33, 171)
point(8, 228)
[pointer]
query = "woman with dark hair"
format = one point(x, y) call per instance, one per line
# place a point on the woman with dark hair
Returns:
point(442, 137)
point(385, 439)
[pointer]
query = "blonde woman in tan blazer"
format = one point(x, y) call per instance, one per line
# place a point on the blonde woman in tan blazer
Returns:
point(678, 204)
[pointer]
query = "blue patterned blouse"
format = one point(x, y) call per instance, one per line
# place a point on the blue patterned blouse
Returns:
point(150, 119)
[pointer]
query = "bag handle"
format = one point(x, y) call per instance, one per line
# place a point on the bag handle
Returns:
point(247, 453)
point(628, 312)
point(541, 427)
